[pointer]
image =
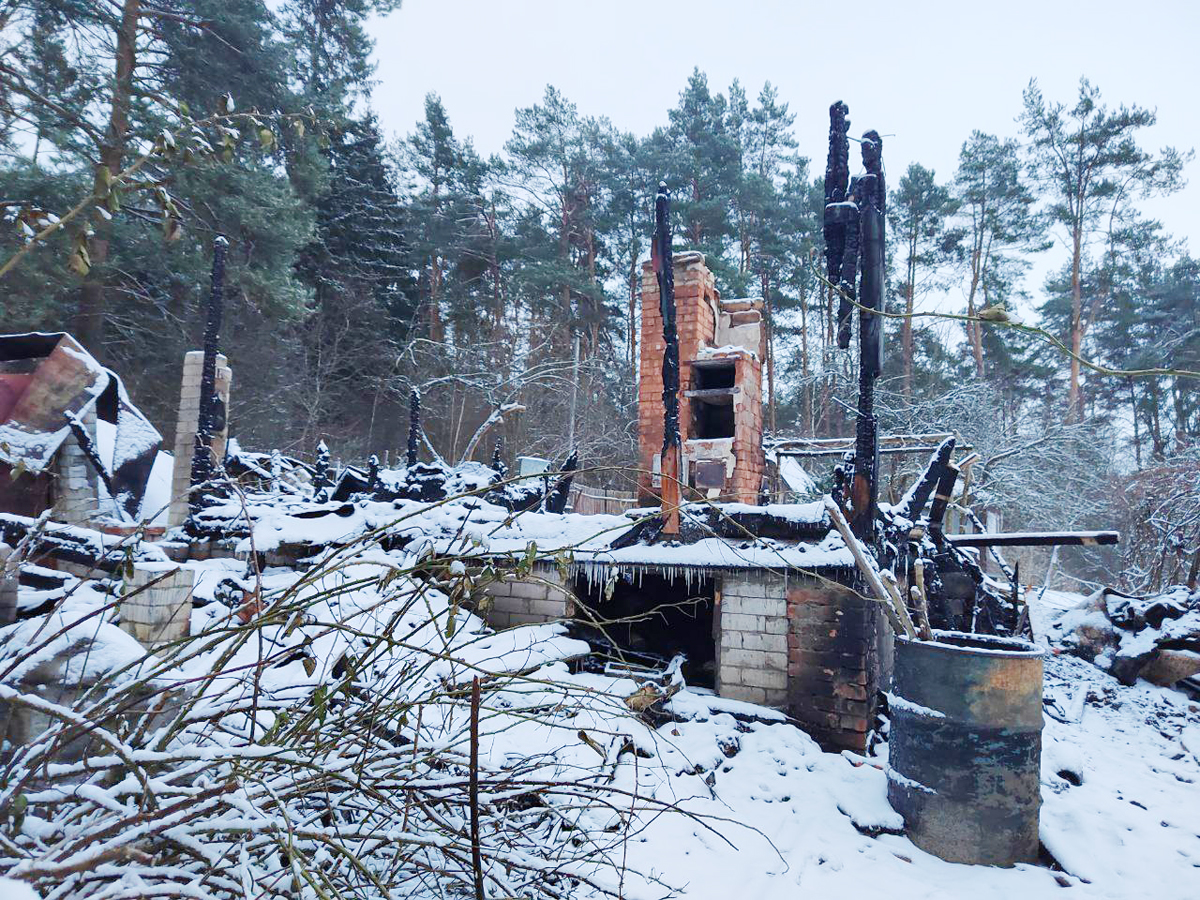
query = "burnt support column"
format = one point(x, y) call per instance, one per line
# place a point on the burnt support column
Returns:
point(188, 426)
point(414, 427)
point(205, 464)
point(664, 268)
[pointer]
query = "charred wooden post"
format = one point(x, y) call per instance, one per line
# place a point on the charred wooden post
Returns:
point(838, 214)
point(556, 498)
point(917, 496)
point(498, 465)
point(847, 287)
point(414, 426)
point(664, 269)
point(869, 196)
point(1036, 539)
point(212, 409)
point(941, 499)
point(872, 202)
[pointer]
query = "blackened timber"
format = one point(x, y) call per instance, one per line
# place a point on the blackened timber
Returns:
point(557, 497)
point(212, 410)
point(897, 443)
point(847, 286)
point(663, 261)
point(917, 496)
point(941, 497)
point(414, 426)
point(868, 192)
point(871, 293)
point(65, 543)
point(837, 215)
point(1036, 539)
point(841, 451)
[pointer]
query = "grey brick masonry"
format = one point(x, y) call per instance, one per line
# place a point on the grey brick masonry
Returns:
point(187, 425)
point(159, 614)
point(539, 597)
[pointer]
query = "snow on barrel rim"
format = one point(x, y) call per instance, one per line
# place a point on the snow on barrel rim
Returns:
point(980, 644)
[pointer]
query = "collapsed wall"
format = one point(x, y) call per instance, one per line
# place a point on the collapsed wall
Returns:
point(800, 642)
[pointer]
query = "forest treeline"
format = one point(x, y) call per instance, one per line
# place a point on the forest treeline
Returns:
point(362, 266)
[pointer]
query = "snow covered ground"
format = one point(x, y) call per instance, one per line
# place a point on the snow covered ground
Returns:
point(781, 819)
point(726, 800)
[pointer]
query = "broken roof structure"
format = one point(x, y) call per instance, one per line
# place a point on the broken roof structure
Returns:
point(69, 434)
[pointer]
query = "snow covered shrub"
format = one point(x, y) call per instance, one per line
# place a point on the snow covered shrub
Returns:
point(323, 749)
point(1159, 512)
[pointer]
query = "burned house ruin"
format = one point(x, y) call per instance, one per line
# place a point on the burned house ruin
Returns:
point(71, 440)
point(757, 601)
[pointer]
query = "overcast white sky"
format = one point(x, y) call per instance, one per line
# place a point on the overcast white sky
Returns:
point(926, 72)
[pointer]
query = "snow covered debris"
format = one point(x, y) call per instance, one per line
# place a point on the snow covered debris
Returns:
point(322, 746)
point(1155, 637)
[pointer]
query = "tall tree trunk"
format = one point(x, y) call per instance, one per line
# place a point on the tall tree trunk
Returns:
point(1159, 450)
point(436, 330)
point(906, 327)
point(806, 409)
point(1074, 398)
point(1137, 434)
point(494, 264)
point(770, 360)
point(89, 325)
point(974, 329)
point(633, 323)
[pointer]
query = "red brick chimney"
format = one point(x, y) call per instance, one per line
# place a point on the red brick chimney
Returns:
point(721, 347)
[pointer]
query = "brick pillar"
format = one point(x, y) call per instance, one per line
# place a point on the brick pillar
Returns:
point(159, 614)
point(748, 455)
point(76, 492)
point(752, 642)
point(187, 426)
point(834, 665)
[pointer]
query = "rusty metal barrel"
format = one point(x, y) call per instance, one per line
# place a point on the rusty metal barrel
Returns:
point(964, 748)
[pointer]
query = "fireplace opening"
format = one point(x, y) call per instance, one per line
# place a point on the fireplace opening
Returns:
point(712, 417)
point(711, 399)
point(646, 619)
point(713, 376)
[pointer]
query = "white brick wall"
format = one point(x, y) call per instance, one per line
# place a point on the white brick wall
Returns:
point(161, 613)
point(752, 638)
point(76, 495)
point(541, 597)
point(187, 425)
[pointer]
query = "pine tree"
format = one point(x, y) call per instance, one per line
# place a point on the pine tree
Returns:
point(998, 222)
point(1088, 162)
point(918, 212)
point(557, 158)
point(443, 209)
point(701, 159)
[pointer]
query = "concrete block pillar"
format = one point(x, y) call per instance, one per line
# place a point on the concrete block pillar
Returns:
point(189, 423)
point(752, 643)
point(76, 491)
point(8, 588)
point(161, 613)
